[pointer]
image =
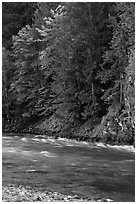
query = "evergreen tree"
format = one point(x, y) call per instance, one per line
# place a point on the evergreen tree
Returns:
point(79, 50)
point(116, 66)
point(31, 84)
point(75, 62)
point(5, 87)
point(15, 15)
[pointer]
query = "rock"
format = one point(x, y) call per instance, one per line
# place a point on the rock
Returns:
point(39, 198)
point(65, 198)
point(109, 200)
point(69, 197)
point(21, 194)
point(48, 200)
point(98, 199)
point(23, 190)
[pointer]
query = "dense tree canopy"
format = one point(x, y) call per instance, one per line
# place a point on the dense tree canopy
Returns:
point(74, 62)
point(15, 15)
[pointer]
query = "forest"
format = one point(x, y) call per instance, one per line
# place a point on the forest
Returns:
point(68, 70)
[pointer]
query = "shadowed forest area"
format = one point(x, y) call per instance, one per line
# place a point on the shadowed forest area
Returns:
point(68, 70)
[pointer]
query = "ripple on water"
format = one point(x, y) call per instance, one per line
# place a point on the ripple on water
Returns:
point(70, 145)
point(30, 170)
point(9, 149)
point(36, 139)
point(9, 138)
point(58, 145)
point(75, 143)
point(48, 154)
point(26, 152)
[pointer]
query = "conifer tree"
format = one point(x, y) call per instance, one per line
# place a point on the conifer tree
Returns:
point(76, 62)
point(15, 15)
point(116, 66)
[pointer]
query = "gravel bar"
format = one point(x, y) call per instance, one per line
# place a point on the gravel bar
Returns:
point(13, 193)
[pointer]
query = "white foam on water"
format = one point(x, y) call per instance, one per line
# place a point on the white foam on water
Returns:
point(101, 145)
point(43, 152)
point(4, 137)
point(8, 149)
point(35, 139)
point(70, 145)
point(51, 140)
point(124, 147)
point(129, 160)
point(43, 140)
point(26, 152)
point(68, 142)
point(85, 143)
point(62, 139)
point(90, 145)
point(48, 154)
point(109, 200)
point(58, 145)
point(40, 136)
point(24, 139)
point(118, 147)
point(73, 164)
point(31, 170)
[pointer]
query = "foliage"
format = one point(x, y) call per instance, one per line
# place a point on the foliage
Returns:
point(75, 60)
point(15, 15)
point(75, 65)
point(5, 86)
point(31, 86)
point(118, 66)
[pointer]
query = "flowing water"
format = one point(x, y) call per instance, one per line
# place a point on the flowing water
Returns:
point(69, 167)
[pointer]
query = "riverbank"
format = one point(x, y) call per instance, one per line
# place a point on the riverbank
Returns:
point(12, 193)
point(90, 131)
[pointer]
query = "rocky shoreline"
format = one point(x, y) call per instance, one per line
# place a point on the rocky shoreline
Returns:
point(14, 193)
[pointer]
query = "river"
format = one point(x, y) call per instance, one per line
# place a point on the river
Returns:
point(69, 167)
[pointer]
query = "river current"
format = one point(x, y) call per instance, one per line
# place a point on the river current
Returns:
point(69, 167)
